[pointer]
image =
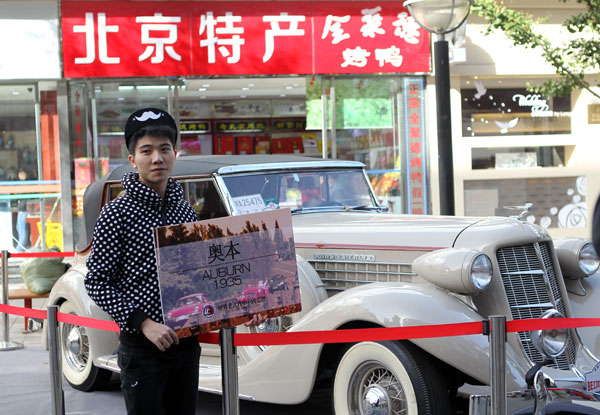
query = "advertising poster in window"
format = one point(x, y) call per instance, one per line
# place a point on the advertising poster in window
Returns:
point(220, 272)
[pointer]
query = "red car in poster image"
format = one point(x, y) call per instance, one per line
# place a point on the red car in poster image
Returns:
point(186, 308)
point(253, 290)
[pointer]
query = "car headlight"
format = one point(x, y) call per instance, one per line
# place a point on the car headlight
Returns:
point(550, 343)
point(577, 257)
point(588, 259)
point(461, 270)
point(481, 272)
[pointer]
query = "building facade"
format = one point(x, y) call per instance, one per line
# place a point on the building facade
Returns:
point(256, 77)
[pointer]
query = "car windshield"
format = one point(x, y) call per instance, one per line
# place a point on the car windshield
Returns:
point(309, 190)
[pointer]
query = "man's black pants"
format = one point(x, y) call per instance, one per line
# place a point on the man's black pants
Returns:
point(159, 383)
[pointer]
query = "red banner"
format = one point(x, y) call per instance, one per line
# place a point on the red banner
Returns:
point(159, 38)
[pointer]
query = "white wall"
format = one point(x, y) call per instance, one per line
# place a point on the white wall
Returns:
point(494, 57)
point(29, 47)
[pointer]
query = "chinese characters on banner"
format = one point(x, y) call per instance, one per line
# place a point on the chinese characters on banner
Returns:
point(416, 155)
point(154, 38)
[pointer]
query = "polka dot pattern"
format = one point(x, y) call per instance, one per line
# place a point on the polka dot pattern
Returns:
point(122, 270)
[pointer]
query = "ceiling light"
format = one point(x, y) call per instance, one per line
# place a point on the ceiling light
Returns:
point(282, 95)
point(251, 85)
point(242, 96)
point(245, 88)
point(201, 89)
point(206, 85)
point(152, 86)
point(126, 87)
point(16, 93)
point(288, 87)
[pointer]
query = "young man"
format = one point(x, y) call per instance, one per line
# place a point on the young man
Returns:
point(159, 371)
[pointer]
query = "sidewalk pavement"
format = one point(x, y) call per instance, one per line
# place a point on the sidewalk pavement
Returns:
point(25, 382)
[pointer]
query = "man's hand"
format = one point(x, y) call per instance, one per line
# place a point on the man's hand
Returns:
point(257, 319)
point(162, 336)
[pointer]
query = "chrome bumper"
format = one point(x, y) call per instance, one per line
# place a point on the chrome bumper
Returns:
point(541, 399)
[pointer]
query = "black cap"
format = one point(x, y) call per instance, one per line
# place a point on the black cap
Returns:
point(147, 117)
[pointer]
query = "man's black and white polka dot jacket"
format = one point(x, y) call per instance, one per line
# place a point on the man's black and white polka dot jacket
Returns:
point(122, 273)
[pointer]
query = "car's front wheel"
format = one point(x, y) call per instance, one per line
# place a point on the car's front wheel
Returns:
point(77, 365)
point(388, 378)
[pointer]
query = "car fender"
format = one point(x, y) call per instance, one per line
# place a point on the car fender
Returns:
point(70, 287)
point(385, 305)
point(581, 299)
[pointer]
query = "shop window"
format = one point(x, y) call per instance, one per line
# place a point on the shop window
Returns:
point(114, 102)
point(29, 187)
point(558, 202)
point(520, 157)
point(488, 110)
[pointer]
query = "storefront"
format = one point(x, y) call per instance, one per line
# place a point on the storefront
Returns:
point(30, 190)
point(512, 146)
point(252, 78)
point(284, 77)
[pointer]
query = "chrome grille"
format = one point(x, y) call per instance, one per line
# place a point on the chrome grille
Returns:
point(341, 275)
point(532, 288)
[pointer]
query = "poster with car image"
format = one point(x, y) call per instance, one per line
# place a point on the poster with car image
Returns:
point(220, 272)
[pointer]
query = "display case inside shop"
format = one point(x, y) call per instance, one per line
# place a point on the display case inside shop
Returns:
point(195, 137)
point(490, 111)
point(286, 135)
point(241, 136)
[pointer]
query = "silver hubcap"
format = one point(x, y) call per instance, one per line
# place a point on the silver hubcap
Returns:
point(273, 325)
point(375, 390)
point(375, 401)
point(75, 347)
point(74, 341)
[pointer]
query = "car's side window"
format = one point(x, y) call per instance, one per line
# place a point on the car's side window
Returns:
point(205, 198)
point(201, 193)
point(115, 191)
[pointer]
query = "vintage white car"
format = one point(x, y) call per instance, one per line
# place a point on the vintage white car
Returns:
point(360, 266)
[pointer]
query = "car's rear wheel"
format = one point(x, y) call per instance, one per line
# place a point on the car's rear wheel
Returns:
point(77, 365)
point(388, 378)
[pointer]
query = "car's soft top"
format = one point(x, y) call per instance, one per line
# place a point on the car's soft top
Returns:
point(198, 166)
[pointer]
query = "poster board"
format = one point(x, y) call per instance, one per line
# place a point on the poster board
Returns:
point(220, 272)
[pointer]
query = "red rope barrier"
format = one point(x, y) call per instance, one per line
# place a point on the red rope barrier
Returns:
point(334, 336)
point(41, 254)
point(25, 312)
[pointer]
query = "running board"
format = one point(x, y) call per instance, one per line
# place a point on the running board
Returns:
point(109, 362)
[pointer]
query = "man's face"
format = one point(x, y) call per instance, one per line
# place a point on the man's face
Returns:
point(153, 158)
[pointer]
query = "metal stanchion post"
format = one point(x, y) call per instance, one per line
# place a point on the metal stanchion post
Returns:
point(6, 344)
point(58, 401)
point(229, 372)
point(498, 364)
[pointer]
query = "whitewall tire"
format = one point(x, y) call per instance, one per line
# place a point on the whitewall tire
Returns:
point(77, 365)
point(388, 378)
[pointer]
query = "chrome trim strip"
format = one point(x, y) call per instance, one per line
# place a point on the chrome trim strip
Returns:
point(549, 305)
point(533, 272)
point(334, 261)
point(352, 271)
point(264, 167)
point(352, 281)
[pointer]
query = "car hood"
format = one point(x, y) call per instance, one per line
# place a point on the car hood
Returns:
point(378, 230)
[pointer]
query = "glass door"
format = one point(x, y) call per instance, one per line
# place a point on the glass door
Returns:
point(21, 192)
point(372, 120)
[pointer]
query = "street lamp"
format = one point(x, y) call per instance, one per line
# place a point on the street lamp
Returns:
point(441, 17)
